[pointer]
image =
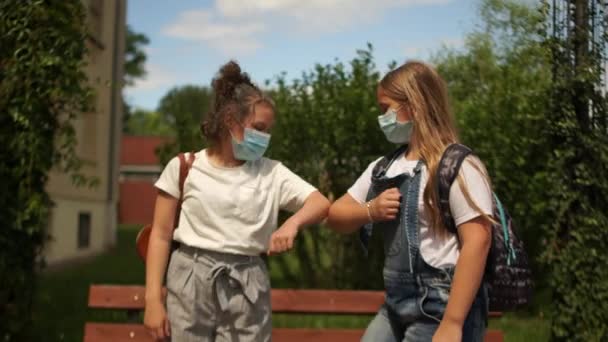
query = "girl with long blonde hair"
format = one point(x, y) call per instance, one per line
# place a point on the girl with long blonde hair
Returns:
point(433, 278)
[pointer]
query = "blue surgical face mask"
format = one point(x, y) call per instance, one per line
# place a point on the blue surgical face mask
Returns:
point(395, 131)
point(252, 147)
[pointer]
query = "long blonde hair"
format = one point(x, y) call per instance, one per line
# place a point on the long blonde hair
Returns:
point(419, 88)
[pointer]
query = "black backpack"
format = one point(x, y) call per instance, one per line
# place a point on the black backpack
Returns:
point(508, 274)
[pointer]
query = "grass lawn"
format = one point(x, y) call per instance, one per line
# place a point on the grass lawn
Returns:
point(60, 304)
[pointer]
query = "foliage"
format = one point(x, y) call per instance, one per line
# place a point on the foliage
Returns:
point(135, 56)
point(182, 108)
point(134, 68)
point(577, 123)
point(42, 89)
point(329, 117)
point(498, 83)
point(143, 122)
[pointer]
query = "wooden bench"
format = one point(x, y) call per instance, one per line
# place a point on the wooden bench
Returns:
point(131, 299)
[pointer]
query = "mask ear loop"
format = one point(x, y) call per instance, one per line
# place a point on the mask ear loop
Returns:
point(396, 110)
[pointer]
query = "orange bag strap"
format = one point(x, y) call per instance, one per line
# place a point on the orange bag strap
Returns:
point(184, 168)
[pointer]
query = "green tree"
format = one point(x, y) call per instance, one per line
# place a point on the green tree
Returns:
point(577, 122)
point(42, 89)
point(143, 122)
point(329, 114)
point(498, 83)
point(134, 68)
point(135, 56)
point(182, 108)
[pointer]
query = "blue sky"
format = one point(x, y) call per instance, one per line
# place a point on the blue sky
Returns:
point(190, 40)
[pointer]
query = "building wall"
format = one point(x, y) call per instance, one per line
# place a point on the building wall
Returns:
point(98, 134)
point(137, 193)
point(64, 226)
point(139, 170)
point(137, 200)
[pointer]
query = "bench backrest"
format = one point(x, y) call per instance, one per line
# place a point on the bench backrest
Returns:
point(283, 301)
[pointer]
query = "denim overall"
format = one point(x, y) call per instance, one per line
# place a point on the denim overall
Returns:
point(416, 293)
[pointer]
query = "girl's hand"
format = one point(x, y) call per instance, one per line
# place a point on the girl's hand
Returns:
point(155, 320)
point(385, 207)
point(282, 239)
point(448, 332)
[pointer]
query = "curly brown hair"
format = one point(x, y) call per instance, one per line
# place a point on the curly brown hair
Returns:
point(234, 94)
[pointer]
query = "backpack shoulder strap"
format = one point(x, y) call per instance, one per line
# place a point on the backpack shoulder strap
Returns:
point(449, 166)
point(383, 164)
point(185, 164)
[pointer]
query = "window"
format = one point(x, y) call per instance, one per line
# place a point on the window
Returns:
point(84, 230)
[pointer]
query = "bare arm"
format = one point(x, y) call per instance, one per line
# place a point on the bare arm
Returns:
point(476, 238)
point(159, 245)
point(155, 316)
point(347, 215)
point(313, 211)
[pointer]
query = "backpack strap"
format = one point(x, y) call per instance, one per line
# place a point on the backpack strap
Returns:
point(385, 163)
point(449, 166)
point(184, 168)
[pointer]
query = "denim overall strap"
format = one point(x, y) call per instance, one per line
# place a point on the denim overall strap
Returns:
point(410, 213)
point(378, 186)
point(379, 182)
point(400, 236)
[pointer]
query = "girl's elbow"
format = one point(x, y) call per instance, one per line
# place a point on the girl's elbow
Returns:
point(326, 205)
point(160, 233)
point(322, 203)
point(331, 217)
point(334, 221)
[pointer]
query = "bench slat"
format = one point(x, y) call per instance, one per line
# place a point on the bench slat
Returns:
point(101, 332)
point(326, 301)
point(494, 336)
point(317, 335)
point(332, 335)
point(131, 297)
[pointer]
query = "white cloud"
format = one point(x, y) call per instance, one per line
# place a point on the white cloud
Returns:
point(234, 27)
point(313, 9)
point(156, 77)
point(317, 15)
point(231, 37)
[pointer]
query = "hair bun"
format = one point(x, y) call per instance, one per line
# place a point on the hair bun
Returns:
point(228, 79)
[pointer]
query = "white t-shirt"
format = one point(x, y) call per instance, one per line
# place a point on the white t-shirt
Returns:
point(233, 210)
point(436, 251)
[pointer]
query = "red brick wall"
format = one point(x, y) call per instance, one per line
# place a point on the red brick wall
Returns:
point(137, 200)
